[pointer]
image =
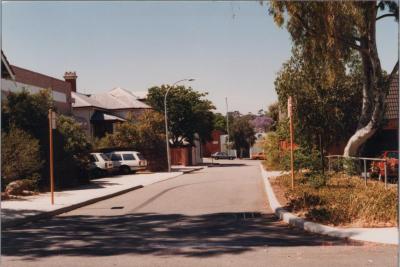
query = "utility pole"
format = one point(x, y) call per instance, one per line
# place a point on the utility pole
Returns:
point(227, 126)
point(52, 125)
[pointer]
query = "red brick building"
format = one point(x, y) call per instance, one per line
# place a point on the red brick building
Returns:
point(214, 145)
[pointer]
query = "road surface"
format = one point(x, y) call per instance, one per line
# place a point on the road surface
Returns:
point(215, 217)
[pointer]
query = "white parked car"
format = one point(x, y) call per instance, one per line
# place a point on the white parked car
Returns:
point(128, 161)
point(100, 164)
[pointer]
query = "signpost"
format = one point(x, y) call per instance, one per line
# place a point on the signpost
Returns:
point(290, 114)
point(52, 126)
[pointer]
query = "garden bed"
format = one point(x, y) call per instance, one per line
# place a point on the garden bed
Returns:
point(342, 200)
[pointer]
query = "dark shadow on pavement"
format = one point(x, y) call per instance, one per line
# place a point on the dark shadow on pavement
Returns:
point(156, 234)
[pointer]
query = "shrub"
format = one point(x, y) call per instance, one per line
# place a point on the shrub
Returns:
point(271, 148)
point(342, 200)
point(20, 156)
point(29, 113)
point(71, 153)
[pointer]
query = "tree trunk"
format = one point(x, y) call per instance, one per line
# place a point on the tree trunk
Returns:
point(374, 92)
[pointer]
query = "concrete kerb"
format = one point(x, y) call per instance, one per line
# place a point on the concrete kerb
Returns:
point(377, 235)
point(48, 214)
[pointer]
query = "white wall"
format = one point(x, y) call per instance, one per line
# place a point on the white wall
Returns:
point(15, 87)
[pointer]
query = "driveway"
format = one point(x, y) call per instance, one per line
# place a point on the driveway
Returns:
point(215, 217)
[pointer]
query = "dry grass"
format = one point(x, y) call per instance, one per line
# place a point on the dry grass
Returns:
point(342, 201)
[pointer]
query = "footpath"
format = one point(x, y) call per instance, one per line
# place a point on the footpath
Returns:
point(386, 235)
point(31, 208)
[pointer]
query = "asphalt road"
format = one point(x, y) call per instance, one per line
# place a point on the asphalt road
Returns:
point(215, 217)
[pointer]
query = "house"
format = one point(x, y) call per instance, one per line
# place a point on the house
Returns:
point(17, 79)
point(100, 113)
point(387, 138)
point(214, 145)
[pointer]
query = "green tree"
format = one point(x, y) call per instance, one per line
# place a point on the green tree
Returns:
point(188, 112)
point(273, 113)
point(242, 134)
point(324, 113)
point(331, 32)
point(219, 122)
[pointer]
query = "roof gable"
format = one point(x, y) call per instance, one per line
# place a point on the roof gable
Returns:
point(392, 100)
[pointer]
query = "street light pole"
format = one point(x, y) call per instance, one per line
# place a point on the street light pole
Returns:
point(227, 127)
point(166, 120)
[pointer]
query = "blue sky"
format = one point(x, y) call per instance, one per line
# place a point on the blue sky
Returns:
point(232, 48)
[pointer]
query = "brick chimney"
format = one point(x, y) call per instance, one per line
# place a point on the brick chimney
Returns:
point(70, 77)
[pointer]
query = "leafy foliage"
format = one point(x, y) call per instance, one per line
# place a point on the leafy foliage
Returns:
point(29, 112)
point(188, 112)
point(273, 152)
point(242, 134)
point(328, 34)
point(71, 153)
point(219, 122)
point(273, 113)
point(321, 110)
point(262, 123)
point(20, 156)
point(144, 133)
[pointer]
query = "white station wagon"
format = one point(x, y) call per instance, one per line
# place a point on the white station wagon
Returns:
point(128, 161)
point(100, 164)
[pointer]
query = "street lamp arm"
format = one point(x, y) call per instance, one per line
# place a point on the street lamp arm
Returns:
point(172, 86)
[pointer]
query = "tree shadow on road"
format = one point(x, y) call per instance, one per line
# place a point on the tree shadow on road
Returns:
point(156, 234)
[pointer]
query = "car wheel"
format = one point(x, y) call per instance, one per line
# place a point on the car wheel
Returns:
point(125, 170)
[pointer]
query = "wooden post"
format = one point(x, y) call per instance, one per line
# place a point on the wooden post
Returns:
point(51, 155)
point(290, 113)
point(365, 171)
point(385, 173)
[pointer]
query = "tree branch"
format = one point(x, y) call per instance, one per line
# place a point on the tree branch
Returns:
point(385, 15)
point(350, 41)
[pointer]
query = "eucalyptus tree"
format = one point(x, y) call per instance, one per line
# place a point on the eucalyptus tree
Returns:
point(331, 32)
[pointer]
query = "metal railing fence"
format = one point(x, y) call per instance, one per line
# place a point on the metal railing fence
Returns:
point(342, 161)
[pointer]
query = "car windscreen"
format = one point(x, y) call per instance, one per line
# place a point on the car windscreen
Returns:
point(140, 156)
point(128, 156)
point(104, 157)
point(93, 158)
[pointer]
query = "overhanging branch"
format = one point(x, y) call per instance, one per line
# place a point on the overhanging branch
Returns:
point(385, 15)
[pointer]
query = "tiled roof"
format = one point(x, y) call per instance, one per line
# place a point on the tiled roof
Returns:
point(40, 80)
point(82, 100)
point(117, 98)
point(392, 100)
point(129, 98)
